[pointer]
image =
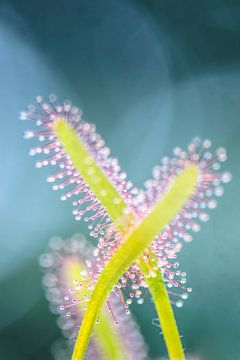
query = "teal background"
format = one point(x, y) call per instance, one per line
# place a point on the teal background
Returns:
point(151, 75)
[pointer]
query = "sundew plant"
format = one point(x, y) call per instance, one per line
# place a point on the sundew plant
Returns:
point(138, 231)
point(68, 268)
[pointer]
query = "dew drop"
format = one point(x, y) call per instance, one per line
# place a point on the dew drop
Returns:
point(184, 296)
point(212, 204)
point(221, 154)
point(39, 99)
point(204, 217)
point(52, 98)
point(179, 303)
point(219, 191)
point(207, 143)
point(226, 177)
point(23, 115)
point(28, 134)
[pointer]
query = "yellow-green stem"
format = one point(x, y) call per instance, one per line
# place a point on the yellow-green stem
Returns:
point(164, 310)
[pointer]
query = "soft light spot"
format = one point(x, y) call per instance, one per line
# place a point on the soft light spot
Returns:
point(116, 201)
point(103, 192)
point(88, 160)
point(91, 171)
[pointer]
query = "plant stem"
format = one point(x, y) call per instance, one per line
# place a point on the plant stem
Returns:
point(164, 310)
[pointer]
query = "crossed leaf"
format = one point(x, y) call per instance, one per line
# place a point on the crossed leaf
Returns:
point(128, 223)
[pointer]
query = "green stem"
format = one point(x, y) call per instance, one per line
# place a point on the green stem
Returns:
point(164, 310)
point(135, 243)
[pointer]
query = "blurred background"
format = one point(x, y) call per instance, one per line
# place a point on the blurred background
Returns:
point(151, 74)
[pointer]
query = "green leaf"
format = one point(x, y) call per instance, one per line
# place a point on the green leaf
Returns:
point(92, 174)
